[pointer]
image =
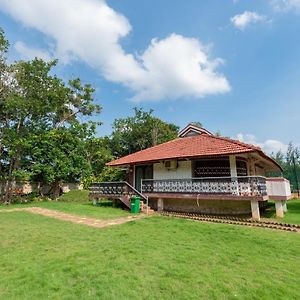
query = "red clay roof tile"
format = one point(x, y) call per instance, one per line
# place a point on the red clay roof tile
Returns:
point(188, 147)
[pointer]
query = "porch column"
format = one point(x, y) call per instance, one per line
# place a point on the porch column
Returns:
point(279, 209)
point(255, 210)
point(233, 173)
point(251, 164)
point(129, 175)
point(160, 204)
point(284, 206)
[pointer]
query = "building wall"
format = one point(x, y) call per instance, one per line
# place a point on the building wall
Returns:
point(24, 188)
point(217, 207)
point(278, 188)
point(184, 170)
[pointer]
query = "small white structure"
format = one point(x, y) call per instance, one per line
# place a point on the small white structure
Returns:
point(279, 190)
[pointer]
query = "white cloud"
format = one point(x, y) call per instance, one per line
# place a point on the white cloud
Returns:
point(285, 5)
point(91, 31)
point(267, 146)
point(178, 66)
point(29, 53)
point(246, 18)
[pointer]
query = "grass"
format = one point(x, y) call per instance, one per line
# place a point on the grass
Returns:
point(292, 216)
point(82, 209)
point(77, 202)
point(75, 196)
point(152, 258)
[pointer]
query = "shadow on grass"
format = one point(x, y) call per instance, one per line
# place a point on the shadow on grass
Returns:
point(103, 203)
point(107, 203)
point(292, 215)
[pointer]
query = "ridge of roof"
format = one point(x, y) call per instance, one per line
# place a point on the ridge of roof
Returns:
point(237, 142)
point(255, 148)
point(191, 126)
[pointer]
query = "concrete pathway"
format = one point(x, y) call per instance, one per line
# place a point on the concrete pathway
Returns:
point(74, 218)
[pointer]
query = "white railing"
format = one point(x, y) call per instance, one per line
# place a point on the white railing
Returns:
point(242, 185)
point(118, 188)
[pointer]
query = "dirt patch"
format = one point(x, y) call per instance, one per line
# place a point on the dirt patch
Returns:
point(73, 218)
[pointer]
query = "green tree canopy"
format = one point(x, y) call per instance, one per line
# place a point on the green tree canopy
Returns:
point(290, 162)
point(42, 132)
point(139, 132)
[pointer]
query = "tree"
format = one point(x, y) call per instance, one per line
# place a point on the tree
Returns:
point(98, 153)
point(42, 134)
point(59, 155)
point(139, 132)
point(197, 124)
point(293, 163)
point(290, 162)
point(4, 89)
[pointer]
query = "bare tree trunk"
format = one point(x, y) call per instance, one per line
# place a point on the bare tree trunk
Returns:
point(10, 182)
point(56, 188)
point(9, 189)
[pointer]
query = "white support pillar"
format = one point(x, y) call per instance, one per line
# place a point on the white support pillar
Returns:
point(255, 210)
point(160, 204)
point(233, 173)
point(284, 206)
point(232, 163)
point(279, 209)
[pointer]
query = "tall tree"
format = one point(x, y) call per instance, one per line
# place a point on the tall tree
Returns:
point(293, 164)
point(42, 132)
point(139, 132)
point(4, 89)
point(290, 162)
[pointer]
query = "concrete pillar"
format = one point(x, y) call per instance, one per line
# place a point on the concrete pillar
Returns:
point(255, 210)
point(251, 164)
point(279, 209)
point(232, 163)
point(284, 206)
point(160, 204)
point(233, 173)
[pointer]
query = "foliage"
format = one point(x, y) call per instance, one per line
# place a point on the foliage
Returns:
point(111, 174)
point(290, 162)
point(98, 153)
point(197, 124)
point(139, 132)
point(42, 133)
point(59, 155)
point(107, 174)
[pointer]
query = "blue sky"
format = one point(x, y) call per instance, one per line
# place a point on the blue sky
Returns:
point(232, 65)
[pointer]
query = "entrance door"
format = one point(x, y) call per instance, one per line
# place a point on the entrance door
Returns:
point(142, 172)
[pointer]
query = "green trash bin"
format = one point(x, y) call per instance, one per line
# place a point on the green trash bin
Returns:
point(135, 204)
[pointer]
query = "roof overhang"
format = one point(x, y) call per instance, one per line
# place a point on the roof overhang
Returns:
point(269, 164)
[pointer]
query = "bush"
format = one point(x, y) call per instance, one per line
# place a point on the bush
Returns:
point(107, 174)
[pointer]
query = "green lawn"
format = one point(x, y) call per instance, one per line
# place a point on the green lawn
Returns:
point(75, 196)
point(77, 202)
point(152, 258)
point(292, 216)
point(82, 209)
